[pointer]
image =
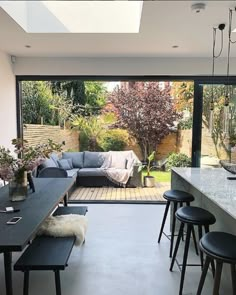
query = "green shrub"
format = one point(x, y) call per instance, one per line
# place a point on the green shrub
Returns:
point(83, 141)
point(186, 123)
point(177, 160)
point(114, 140)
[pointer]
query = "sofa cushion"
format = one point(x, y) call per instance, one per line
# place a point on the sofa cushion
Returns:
point(118, 160)
point(94, 159)
point(48, 163)
point(77, 158)
point(72, 173)
point(91, 172)
point(55, 158)
point(65, 164)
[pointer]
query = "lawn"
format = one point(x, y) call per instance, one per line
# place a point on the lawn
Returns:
point(160, 176)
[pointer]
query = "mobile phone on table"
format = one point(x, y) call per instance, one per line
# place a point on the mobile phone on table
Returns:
point(14, 220)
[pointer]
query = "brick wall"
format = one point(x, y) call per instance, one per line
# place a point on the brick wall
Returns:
point(181, 142)
point(134, 147)
point(167, 145)
point(36, 134)
point(184, 142)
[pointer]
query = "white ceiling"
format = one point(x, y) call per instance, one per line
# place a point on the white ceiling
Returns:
point(163, 24)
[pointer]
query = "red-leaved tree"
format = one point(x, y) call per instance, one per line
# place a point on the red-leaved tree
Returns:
point(146, 111)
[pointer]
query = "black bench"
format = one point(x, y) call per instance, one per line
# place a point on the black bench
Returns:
point(48, 253)
point(45, 253)
point(64, 210)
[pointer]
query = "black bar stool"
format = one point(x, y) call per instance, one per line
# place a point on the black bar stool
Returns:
point(191, 216)
point(221, 247)
point(177, 197)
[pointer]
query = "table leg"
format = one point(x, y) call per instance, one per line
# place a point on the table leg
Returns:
point(8, 272)
point(66, 200)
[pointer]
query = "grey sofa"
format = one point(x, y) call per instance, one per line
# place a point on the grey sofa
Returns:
point(85, 168)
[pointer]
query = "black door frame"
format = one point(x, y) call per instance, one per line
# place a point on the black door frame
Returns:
point(199, 82)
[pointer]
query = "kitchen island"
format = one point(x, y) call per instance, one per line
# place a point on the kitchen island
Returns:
point(212, 191)
point(215, 193)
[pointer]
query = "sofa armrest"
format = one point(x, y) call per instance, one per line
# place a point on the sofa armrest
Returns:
point(52, 172)
point(136, 176)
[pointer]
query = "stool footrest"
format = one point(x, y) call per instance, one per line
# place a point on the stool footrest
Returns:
point(188, 264)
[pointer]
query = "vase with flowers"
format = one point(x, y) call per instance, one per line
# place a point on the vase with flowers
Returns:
point(14, 167)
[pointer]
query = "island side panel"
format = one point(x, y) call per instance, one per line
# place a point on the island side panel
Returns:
point(224, 221)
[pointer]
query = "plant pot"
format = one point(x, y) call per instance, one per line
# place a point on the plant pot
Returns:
point(18, 188)
point(149, 181)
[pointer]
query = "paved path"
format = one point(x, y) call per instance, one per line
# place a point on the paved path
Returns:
point(121, 194)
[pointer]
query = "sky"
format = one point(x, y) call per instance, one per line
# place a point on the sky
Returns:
point(111, 85)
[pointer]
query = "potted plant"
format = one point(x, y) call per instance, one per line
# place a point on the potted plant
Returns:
point(148, 180)
point(14, 168)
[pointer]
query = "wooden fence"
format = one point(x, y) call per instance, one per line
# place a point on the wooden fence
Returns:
point(37, 134)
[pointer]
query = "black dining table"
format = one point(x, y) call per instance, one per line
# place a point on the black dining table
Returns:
point(33, 210)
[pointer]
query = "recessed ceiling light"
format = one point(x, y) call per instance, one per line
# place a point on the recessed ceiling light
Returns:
point(175, 46)
point(27, 46)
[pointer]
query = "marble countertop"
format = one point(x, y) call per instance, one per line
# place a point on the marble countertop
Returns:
point(213, 183)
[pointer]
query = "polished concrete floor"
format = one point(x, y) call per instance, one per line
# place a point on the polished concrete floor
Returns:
point(120, 256)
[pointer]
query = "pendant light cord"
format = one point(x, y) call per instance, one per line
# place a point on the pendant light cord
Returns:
point(214, 56)
point(228, 56)
point(214, 43)
point(227, 73)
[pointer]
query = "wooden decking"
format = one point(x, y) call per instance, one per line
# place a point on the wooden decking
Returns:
point(120, 194)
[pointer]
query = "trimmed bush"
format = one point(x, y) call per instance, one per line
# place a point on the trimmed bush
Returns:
point(114, 140)
point(186, 124)
point(83, 141)
point(177, 160)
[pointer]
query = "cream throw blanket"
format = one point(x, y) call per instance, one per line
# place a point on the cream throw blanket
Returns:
point(65, 226)
point(118, 166)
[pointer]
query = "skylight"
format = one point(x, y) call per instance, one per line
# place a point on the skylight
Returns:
point(76, 16)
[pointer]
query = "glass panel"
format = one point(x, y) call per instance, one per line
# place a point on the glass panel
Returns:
point(218, 125)
point(143, 116)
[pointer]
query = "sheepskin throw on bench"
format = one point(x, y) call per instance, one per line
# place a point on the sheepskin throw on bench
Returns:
point(64, 226)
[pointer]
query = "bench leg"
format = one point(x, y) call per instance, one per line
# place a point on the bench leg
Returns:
point(26, 283)
point(57, 282)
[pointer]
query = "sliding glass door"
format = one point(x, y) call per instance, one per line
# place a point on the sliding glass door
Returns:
point(218, 126)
